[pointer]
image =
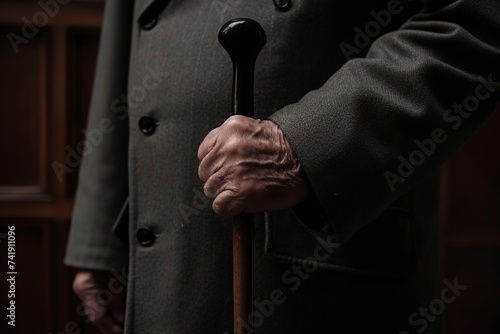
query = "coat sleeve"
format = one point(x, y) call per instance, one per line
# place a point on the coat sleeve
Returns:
point(382, 123)
point(103, 180)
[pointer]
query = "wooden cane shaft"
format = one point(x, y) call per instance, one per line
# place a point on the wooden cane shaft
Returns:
point(243, 39)
point(242, 270)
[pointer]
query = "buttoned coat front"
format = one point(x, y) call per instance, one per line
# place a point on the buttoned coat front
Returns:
point(372, 95)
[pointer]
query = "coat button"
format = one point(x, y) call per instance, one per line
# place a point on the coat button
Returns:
point(145, 237)
point(147, 125)
point(282, 4)
point(150, 23)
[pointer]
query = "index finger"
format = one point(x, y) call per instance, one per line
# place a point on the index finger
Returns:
point(208, 143)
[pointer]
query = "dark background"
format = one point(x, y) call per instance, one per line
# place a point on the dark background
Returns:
point(44, 98)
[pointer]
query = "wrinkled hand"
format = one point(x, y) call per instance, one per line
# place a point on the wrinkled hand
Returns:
point(93, 288)
point(249, 166)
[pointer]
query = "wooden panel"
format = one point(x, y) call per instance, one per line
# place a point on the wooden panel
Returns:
point(471, 231)
point(82, 47)
point(22, 118)
point(477, 309)
point(474, 187)
point(58, 114)
point(64, 312)
point(33, 298)
point(45, 210)
point(75, 13)
point(44, 95)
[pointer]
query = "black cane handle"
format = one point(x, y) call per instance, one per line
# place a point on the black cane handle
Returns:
point(243, 39)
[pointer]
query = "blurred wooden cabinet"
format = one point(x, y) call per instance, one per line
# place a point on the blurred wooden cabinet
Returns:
point(470, 232)
point(46, 73)
point(45, 86)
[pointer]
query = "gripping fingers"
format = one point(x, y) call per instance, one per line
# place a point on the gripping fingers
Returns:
point(226, 196)
point(208, 143)
point(228, 204)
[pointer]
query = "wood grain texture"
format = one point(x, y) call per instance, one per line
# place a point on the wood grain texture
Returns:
point(45, 90)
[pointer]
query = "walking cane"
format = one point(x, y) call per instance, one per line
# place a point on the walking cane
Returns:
point(243, 39)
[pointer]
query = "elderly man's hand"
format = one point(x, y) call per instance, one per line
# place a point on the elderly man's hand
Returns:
point(107, 314)
point(249, 166)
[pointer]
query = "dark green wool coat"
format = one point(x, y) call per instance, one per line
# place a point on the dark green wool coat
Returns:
point(372, 95)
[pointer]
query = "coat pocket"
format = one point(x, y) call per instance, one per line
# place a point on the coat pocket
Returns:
point(384, 248)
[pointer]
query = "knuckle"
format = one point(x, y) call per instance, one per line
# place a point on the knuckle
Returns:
point(77, 286)
point(202, 172)
point(234, 122)
point(208, 189)
point(199, 153)
point(232, 146)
